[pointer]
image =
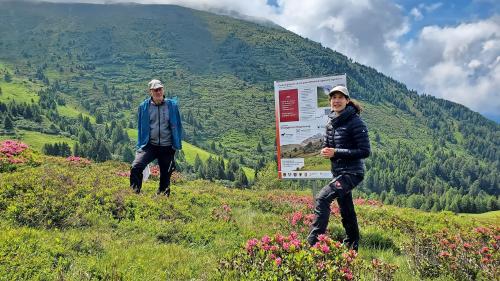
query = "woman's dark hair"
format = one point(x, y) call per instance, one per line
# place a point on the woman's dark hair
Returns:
point(356, 105)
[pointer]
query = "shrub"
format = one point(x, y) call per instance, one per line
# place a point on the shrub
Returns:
point(473, 255)
point(14, 154)
point(289, 258)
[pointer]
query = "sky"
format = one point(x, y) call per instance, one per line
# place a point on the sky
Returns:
point(448, 49)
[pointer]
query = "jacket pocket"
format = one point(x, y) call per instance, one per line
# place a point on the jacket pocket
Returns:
point(351, 180)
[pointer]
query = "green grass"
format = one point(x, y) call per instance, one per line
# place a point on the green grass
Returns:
point(492, 217)
point(20, 91)
point(73, 112)
point(36, 140)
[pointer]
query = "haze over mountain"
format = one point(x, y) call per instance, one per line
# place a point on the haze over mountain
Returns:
point(96, 59)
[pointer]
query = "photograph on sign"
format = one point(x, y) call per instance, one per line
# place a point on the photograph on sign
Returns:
point(302, 108)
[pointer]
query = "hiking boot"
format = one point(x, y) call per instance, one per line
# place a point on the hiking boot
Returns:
point(136, 189)
point(163, 192)
point(353, 245)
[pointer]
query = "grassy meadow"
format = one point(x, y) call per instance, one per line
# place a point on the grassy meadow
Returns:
point(78, 221)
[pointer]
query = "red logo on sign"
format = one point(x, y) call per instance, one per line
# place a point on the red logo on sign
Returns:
point(289, 105)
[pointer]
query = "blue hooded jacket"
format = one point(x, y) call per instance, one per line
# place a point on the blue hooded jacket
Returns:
point(174, 120)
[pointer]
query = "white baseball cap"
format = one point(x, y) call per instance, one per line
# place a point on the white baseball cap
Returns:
point(340, 89)
point(155, 84)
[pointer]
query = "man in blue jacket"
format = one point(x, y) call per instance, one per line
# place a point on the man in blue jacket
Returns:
point(159, 136)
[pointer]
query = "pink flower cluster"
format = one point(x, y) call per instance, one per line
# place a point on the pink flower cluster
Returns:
point(368, 202)
point(287, 257)
point(123, 174)
point(223, 213)
point(327, 246)
point(76, 160)
point(301, 222)
point(155, 171)
point(275, 245)
point(10, 151)
point(12, 147)
point(324, 243)
point(476, 251)
point(296, 200)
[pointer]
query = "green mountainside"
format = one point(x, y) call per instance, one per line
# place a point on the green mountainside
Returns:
point(63, 60)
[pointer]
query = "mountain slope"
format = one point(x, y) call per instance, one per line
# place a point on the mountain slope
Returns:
point(222, 69)
point(75, 220)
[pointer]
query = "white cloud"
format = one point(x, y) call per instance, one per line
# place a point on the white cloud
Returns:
point(432, 7)
point(459, 63)
point(417, 15)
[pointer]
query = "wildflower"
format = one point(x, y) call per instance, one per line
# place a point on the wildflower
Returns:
point(226, 208)
point(296, 217)
point(376, 263)
point(123, 174)
point(444, 254)
point(325, 249)
point(349, 257)
point(481, 230)
point(323, 238)
point(265, 240)
point(321, 265)
point(347, 273)
point(251, 245)
point(77, 160)
point(467, 246)
point(279, 238)
point(277, 261)
point(444, 242)
point(308, 219)
point(484, 250)
point(295, 243)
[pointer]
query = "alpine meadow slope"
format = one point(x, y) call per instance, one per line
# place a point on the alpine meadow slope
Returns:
point(71, 219)
point(428, 153)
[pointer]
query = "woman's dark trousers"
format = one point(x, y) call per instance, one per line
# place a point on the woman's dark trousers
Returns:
point(340, 188)
point(144, 156)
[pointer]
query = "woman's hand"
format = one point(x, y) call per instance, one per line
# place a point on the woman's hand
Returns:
point(327, 152)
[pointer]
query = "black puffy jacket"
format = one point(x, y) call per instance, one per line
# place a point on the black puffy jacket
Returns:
point(348, 134)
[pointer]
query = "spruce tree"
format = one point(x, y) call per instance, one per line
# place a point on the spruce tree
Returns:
point(7, 124)
point(197, 163)
point(128, 155)
point(241, 179)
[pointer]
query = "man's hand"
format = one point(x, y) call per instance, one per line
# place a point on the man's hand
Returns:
point(327, 152)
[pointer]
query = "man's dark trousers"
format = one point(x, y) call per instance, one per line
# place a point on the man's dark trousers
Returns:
point(144, 156)
point(340, 187)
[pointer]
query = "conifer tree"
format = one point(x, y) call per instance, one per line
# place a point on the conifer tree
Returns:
point(241, 179)
point(7, 124)
point(197, 162)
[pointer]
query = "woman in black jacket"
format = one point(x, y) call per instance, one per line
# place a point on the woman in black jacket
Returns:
point(346, 143)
